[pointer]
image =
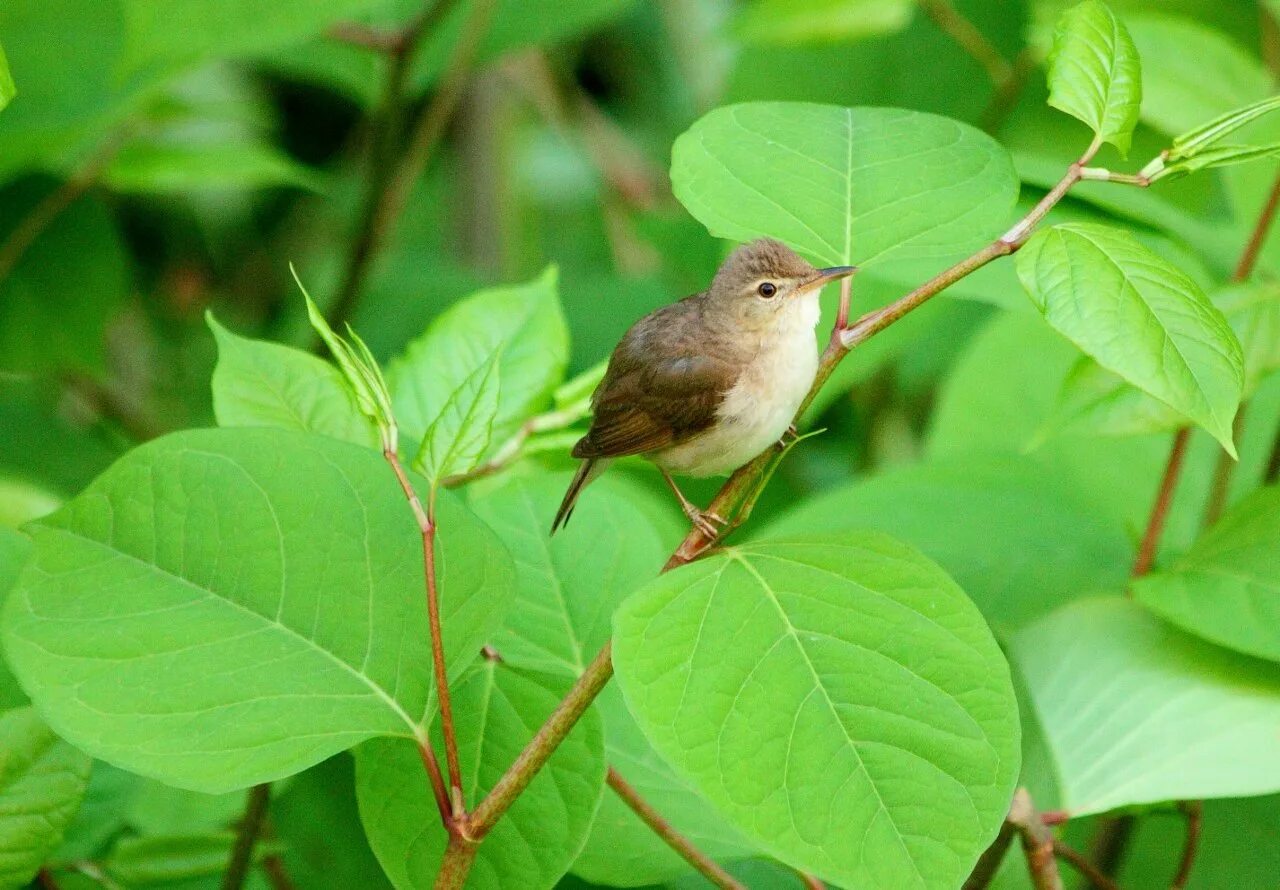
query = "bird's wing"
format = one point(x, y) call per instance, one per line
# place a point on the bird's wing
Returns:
point(649, 402)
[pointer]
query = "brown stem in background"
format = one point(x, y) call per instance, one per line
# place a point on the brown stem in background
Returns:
point(46, 880)
point(391, 183)
point(1081, 863)
point(1007, 94)
point(277, 874)
point(703, 864)
point(1193, 811)
point(1037, 842)
point(366, 37)
point(809, 881)
point(1270, 40)
point(969, 38)
point(1164, 498)
point(1222, 472)
point(989, 862)
point(456, 808)
point(53, 204)
point(1253, 249)
point(1272, 473)
point(255, 811)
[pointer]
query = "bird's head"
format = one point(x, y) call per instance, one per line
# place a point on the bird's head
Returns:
point(764, 279)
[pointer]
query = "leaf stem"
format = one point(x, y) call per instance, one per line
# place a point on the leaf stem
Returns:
point(391, 183)
point(456, 808)
point(255, 812)
point(701, 862)
point(1193, 811)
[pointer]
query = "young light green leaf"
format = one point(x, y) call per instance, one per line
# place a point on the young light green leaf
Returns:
point(623, 851)
point(257, 383)
point(1137, 712)
point(460, 434)
point(1226, 588)
point(1138, 316)
point(821, 21)
point(1094, 73)
point(1191, 143)
point(1217, 156)
point(171, 858)
point(1016, 537)
point(7, 89)
point(770, 674)
point(524, 323)
point(844, 185)
point(187, 617)
point(42, 779)
point(497, 708)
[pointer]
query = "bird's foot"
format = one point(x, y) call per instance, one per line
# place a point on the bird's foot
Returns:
point(710, 524)
point(790, 437)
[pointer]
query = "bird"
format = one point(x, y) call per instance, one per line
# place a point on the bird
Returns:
point(703, 385)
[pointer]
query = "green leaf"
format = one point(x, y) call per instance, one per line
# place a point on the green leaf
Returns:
point(158, 809)
point(1253, 311)
point(171, 33)
point(159, 168)
point(1177, 96)
point(139, 861)
point(1226, 588)
point(1096, 402)
point(844, 185)
point(257, 383)
point(21, 501)
point(42, 780)
point(1218, 156)
point(1014, 535)
point(1139, 317)
point(101, 817)
point(522, 322)
point(1191, 143)
point(460, 434)
point(623, 851)
point(829, 689)
point(1137, 712)
point(1094, 73)
point(568, 586)
point(497, 708)
point(821, 21)
point(227, 607)
point(7, 89)
point(15, 550)
point(55, 305)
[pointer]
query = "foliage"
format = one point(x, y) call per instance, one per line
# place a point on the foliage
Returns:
point(279, 601)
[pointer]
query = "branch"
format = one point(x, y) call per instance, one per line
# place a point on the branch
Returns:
point(455, 809)
point(1081, 863)
point(705, 866)
point(1160, 509)
point(255, 811)
point(1253, 249)
point(1037, 842)
point(367, 37)
point(390, 184)
point(1193, 810)
point(989, 862)
point(970, 39)
point(53, 204)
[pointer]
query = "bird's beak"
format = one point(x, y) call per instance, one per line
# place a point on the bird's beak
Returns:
point(823, 276)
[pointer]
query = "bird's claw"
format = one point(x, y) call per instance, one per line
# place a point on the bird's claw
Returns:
point(789, 437)
point(710, 524)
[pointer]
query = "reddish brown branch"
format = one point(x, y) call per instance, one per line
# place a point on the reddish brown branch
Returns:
point(1193, 811)
point(1037, 842)
point(1081, 863)
point(1253, 249)
point(704, 864)
point(1164, 498)
point(989, 862)
point(255, 812)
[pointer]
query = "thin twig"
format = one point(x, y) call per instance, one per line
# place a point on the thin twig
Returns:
point(1005, 99)
point(1193, 811)
point(277, 874)
point(989, 862)
point(426, 526)
point(53, 204)
point(704, 864)
point(1253, 249)
point(255, 811)
point(387, 200)
point(1081, 863)
point(970, 39)
point(1037, 842)
point(1164, 499)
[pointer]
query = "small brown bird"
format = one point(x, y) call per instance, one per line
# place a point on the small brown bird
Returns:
point(703, 385)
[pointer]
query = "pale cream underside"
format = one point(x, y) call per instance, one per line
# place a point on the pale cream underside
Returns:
point(761, 405)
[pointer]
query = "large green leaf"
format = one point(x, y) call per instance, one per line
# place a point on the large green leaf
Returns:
point(173, 858)
point(262, 384)
point(623, 851)
point(1138, 316)
point(7, 89)
point(157, 809)
point(1013, 534)
point(837, 698)
point(1094, 72)
point(55, 304)
point(569, 585)
point(821, 21)
point(1226, 588)
point(844, 185)
point(1135, 711)
point(463, 430)
point(522, 322)
point(497, 708)
point(42, 780)
point(227, 607)
point(1176, 96)
point(167, 33)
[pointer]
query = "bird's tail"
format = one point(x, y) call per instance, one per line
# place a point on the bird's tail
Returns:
point(589, 470)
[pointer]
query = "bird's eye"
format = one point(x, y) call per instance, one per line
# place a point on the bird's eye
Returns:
point(767, 289)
